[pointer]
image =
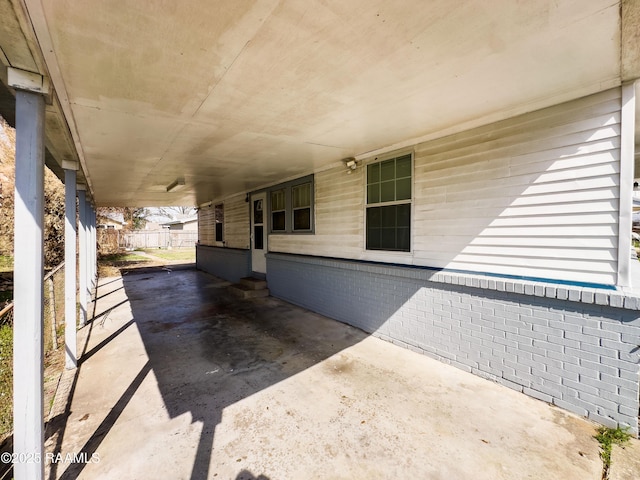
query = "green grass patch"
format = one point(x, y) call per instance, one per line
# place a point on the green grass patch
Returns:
point(607, 437)
point(121, 258)
point(6, 297)
point(185, 254)
point(6, 263)
point(6, 380)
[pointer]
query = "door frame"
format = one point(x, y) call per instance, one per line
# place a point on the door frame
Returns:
point(258, 256)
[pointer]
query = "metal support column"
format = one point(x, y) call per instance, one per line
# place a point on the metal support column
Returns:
point(28, 366)
point(70, 311)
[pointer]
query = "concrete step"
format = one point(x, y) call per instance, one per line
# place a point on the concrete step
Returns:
point(253, 283)
point(242, 291)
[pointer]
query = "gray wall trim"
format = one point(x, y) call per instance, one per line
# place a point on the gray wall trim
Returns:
point(230, 264)
point(598, 296)
point(579, 355)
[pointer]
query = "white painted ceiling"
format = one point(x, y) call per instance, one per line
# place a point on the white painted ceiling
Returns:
point(233, 95)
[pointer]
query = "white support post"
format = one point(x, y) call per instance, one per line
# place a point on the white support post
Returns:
point(94, 247)
point(28, 325)
point(91, 251)
point(82, 255)
point(625, 209)
point(70, 305)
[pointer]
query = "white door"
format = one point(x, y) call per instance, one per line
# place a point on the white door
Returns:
point(259, 232)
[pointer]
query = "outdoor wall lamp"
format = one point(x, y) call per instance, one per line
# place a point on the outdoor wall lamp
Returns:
point(177, 184)
point(350, 163)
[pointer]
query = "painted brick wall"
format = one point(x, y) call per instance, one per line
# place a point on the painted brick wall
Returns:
point(582, 357)
point(228, 263)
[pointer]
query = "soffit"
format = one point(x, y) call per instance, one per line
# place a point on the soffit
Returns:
point(234, 95)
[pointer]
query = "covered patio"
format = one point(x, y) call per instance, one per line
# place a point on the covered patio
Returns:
point(180, 379)
point(507, 133)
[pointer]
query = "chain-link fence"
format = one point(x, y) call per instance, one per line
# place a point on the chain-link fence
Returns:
point(53, 338)
point(54, 308)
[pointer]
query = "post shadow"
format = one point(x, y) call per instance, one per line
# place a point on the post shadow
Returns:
point(208, 349)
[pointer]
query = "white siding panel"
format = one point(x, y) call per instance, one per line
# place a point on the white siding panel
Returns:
point(206, 228)
point(236, 222)
point(339, 211)
point(537, 196)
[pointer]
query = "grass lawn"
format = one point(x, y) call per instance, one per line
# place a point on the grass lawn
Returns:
point(5, 297)
point(6, 264)
point(110, 265)
point(6, 380)
point(184, 254)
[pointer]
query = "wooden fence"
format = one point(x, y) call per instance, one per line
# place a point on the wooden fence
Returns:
point(110, 241)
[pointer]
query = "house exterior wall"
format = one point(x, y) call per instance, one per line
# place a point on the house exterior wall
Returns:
point(230, 259)
point(513, 262)
point(230, 264)
point(535, 196)
point(236, 228)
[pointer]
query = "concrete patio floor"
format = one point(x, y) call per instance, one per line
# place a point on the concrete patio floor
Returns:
point(180, 380)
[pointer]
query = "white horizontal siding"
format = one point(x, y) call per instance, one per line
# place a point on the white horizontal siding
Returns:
point(533, 196)
point(236, 222)
point(206, 227)
point(536, 195)
point(339, 205)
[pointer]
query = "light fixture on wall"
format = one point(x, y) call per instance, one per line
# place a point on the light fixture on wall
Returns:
point(177, 184)
point(350, 163)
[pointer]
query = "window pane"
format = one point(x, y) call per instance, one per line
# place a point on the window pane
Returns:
point(388, 239)
point(388, 191)
point(403, 213)
point(373, 173)
point(257, 211)
point(373, 238)
point(219, 220)
point(388, 215)
point(403, 166)
point(403, 237)
point(387, 170)
point(373, 217)
point(373, 193)
point(277, 200)
point(302, 219)
point(403, 189)
point(278, 221)
point(258, 238)
point(388, 228)
point(301, 195)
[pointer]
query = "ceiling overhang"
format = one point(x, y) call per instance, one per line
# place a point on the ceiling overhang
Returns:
point(231, 96)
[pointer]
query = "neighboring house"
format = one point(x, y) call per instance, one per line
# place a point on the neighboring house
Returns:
point(111, 221)
point(494, 250)
point(188, 223)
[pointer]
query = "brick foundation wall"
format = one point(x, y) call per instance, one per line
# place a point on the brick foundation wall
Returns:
point(574, 347)
point(228, 263)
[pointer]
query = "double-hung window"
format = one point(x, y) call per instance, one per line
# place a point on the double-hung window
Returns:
point(219, 222)
point(278, 210)
point(389, 204)
point(291, 206)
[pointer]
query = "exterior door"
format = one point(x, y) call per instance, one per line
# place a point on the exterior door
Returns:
point(259, 232)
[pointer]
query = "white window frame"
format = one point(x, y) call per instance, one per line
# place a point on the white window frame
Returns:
point(288, 186)
point(399, 256)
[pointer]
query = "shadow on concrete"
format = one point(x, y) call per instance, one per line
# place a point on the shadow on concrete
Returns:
point(246, 475)
point(208, 350)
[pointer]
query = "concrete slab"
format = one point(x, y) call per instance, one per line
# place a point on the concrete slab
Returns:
point(625, 461)
point(179, 379)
